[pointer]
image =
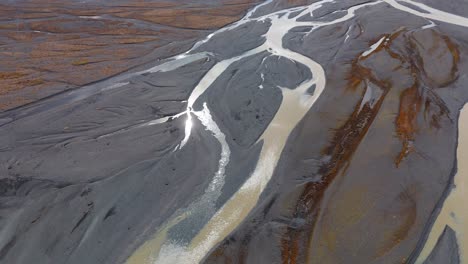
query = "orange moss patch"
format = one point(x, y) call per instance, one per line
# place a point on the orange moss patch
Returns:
point(135, 40)
point(80, 62)
point(193, 17)
point(11, 75)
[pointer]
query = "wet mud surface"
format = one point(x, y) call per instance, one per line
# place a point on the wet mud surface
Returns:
point(303, 132)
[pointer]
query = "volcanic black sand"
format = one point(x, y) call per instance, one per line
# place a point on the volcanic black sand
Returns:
point(304, 132)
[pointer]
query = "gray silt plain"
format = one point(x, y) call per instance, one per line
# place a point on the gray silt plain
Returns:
point(84, 180)
point(446, 250)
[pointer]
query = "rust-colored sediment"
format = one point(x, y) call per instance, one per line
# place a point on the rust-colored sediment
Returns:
point(406, 121)
point(345, 141)
point(295, 243)
point(418, 97)
point(453, 48)
point(408, 216)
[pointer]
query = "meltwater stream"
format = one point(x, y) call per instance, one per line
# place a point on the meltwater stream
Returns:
point(453, 213)
point(296, 102)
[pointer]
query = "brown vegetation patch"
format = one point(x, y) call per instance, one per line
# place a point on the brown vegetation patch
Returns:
point(69, 44)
